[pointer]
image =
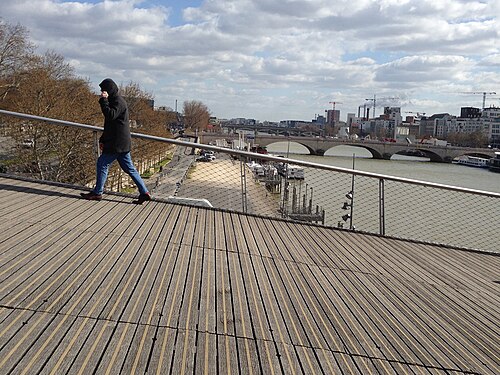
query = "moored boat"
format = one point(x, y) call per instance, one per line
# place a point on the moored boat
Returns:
point(494, 163)
point(291, 171)
point(256, 168)
point(472, 161)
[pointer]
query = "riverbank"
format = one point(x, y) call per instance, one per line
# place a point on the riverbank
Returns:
point(219, 182)
point(167, 182)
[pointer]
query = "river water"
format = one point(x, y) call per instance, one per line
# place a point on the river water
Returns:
point(417, 213)
point(400, 166)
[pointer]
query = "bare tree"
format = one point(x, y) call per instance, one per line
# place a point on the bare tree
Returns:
point(145, 119)
point(196, 115)
point(15, 51)
point(48, 87)
point(142, 112)
point(331, 129)
point(475, 139)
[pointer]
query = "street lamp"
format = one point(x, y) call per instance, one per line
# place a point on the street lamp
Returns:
point(350, 204)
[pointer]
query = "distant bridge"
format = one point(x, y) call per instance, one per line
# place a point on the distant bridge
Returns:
point(378, 149)
point(273, 130)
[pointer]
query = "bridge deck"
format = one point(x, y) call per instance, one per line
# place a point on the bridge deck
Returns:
point(378, 149)
point(111, 286)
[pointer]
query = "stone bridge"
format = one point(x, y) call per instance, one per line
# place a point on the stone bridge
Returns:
point(378, 149)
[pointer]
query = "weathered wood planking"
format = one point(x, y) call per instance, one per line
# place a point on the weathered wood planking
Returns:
point(113, 287)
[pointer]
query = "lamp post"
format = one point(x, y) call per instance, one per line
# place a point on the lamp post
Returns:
point(352, 192)
point(350, 197)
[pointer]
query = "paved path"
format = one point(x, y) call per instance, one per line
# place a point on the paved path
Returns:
point(219, 182)
point(167, 182)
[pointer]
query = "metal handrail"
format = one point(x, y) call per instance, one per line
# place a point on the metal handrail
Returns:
point(453, 214)
point(261, 156)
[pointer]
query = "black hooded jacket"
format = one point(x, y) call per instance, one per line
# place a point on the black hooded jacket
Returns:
point(116, 136)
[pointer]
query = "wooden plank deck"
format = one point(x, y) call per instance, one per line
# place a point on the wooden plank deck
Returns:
point(111, 287)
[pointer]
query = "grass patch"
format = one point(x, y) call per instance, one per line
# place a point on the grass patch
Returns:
point(148, 174)
point(190, 171)
point(156, 168)
point(128, 190)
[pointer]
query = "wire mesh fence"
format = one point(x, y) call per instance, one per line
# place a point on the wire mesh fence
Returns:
point(344, 199)
point(234, 180)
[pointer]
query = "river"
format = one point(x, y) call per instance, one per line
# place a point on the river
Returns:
point(400, 166)
point(411, 212)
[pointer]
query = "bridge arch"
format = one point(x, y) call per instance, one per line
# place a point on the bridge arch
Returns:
point(379, 150)
point(434, 157)
point(309, 148)
point(320, 152)
point(375, 153)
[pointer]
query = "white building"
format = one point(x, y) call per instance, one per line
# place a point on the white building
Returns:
point(488, 123)
point(491, 119)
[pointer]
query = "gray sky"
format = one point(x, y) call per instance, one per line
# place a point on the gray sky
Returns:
point(279, 59)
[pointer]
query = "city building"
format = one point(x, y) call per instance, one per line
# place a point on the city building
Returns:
point(436, 125)
point(320, 121)
point(332, 116)
point(491, 119)
point(293, 123)
point(471, 120)
point(391, 124)
point(470, 112)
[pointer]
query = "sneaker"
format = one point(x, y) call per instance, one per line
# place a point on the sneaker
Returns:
point(91, 196)
point(143, 198)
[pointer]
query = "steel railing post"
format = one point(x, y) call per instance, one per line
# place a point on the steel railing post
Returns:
point(381, 202)
point(352, 201)
point(351, 226)
point(243, 184)
point(97, 149)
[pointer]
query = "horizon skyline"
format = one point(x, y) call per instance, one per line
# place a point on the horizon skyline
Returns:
point(274, 60)
point(403, 115)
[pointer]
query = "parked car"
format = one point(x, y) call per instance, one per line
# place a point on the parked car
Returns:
point(207, 152)
point(206, 158)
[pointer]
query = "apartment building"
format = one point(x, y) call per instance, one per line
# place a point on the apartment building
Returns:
point(471, 120)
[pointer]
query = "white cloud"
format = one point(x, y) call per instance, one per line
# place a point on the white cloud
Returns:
point(421, 69)
point(492, 60)
point(274, 60)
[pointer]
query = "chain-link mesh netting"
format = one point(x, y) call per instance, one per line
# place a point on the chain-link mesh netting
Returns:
point(271, 186)
point(341, 199)
point(442, 216)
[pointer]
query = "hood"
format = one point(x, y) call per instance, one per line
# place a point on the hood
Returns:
point(110, 86)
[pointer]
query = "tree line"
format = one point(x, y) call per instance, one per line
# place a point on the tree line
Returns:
point(46, 85)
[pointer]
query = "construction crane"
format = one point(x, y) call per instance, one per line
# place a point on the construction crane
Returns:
point(374, 103)
point(484, 93)
point(384, 100)
point(333, 104)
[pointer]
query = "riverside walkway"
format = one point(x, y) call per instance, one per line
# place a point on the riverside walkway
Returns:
point(169, 180)
point(113, 287)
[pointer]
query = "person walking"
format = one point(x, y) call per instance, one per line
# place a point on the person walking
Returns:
point(115, 143)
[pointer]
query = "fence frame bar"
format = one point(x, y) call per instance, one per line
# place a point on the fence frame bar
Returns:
point(261, 156)
point(381, 201)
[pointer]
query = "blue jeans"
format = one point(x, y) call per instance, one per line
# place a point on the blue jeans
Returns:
point(125, 161)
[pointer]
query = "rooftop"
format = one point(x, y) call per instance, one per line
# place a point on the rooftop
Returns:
point(165, 288)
